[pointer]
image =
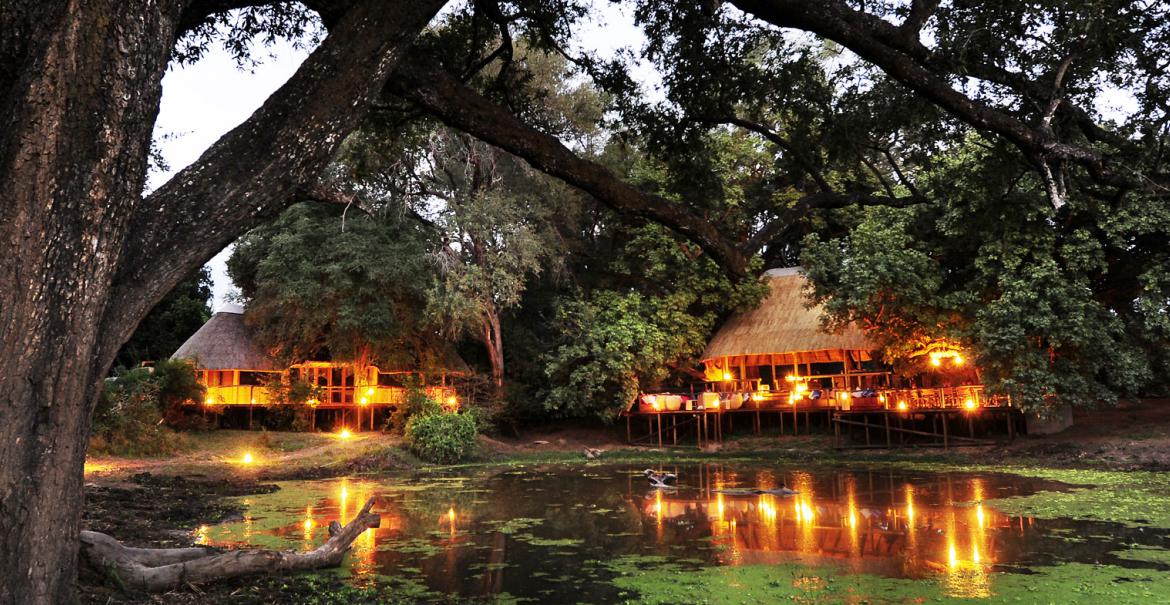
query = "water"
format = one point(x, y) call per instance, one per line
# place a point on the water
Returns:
point(550, 532)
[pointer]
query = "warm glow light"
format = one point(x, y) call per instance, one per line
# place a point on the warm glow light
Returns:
point(452, 401)
point(801, 388)
point(451, 515)
point(969, 404)
point(790, 378)
point(308, 524)
point(344, 434)
point(953, 557)
point(901, 405)
point(935, 360)
point(210, 401)
point(364, 401)
point(247, 459)
point(975, 554)
point(370, 391)
point(979, 514)
point(882, 398)
point(843, 396)
point(727, 376)
point(312, 402)
point(958, 359)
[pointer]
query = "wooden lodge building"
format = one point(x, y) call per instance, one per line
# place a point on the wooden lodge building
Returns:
point(238, 374)
point(778, 358)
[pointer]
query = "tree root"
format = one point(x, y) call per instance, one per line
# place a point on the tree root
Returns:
point(159, 569)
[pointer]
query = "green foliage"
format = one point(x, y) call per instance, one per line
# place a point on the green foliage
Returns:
point(320, 285)
point(1047, 316)
point(617, 341)
point(171, 321)
point(441, 437)
point(177, 385)
point(129, 420)
point(416, 403)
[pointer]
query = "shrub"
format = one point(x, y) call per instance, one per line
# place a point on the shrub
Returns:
point(416, 403)
point(178, 385)
point(441, 437)
point(127, 421)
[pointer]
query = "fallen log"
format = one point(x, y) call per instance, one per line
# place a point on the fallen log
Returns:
point(159, 569)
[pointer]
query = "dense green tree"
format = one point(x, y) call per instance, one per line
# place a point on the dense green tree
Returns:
point(175, 318)
point(323, 283)
point(985, 267)
point(639, 329)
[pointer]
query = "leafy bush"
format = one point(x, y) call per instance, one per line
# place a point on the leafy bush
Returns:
point(128, 422)
point(416, 403)
point(441, 437)
point(289, 411)
point(177, 385)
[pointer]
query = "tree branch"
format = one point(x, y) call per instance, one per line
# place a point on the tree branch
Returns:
point(155, 570)
point(883, 44)
point(789, 218)
point(775, 138)
point(433, 89)
point(248, 175)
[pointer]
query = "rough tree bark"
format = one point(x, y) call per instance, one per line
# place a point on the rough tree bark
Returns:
point(86, 256)
point(159, 569)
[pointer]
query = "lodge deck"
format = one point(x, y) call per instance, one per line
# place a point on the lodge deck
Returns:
point(944, 427)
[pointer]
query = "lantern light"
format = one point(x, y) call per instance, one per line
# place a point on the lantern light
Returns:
point(370, 391)
point(958, 359)
point(790, 378)
point(364, 401)
point(452, 401)
point(969, 404)
point(344, 434)
point(727, 376)
point(901, 405)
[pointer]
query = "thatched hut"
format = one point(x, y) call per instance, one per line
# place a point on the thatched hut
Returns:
point(782, 340)
point(237, 371)
point(229, 362)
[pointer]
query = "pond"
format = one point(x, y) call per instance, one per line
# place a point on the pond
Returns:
point(600, 533)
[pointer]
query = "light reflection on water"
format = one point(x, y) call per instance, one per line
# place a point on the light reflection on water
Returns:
point(539, 532)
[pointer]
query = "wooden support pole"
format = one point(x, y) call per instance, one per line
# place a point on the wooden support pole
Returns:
point(946, 443)
point(886, 418)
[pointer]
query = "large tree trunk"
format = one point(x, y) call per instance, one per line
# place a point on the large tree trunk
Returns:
point(493, 339)
point(85, 257)
point(72, 161)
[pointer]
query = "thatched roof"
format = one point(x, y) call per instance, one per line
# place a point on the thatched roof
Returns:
point(224, 343)
point(783, 327)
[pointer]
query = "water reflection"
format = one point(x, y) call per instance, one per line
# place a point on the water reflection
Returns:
point(873, 523)
point(539, 533)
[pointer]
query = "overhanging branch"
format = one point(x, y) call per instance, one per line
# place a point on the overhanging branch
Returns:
point(443, 96)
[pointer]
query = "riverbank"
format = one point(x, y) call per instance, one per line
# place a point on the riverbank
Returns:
point(163, 502)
